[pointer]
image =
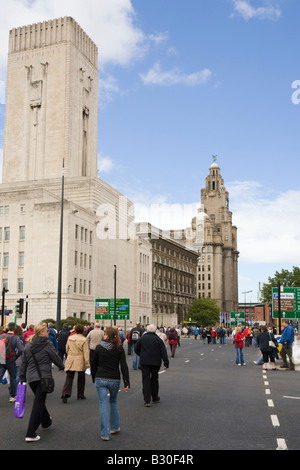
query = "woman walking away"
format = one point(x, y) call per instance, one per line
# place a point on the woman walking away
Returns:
point(108, 358)
point(39, 350)
point(239, 345)
point(77, 361)
point(172, 338)
point(265, 342)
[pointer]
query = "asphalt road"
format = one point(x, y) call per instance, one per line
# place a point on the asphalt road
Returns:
point(207, 403)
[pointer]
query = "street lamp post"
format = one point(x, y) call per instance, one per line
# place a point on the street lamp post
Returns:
point(58, 312)
point(4, 290)
point(246, 292)
point(115, 294)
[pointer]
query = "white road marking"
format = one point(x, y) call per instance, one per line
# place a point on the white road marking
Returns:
point(281, 444)
point(275, 421)
point(293, 398)
point(270, 403)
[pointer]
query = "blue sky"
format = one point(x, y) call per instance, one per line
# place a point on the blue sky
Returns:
point(182, 80)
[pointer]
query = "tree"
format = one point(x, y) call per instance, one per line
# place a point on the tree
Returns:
point(286, 279)
point(204, 311)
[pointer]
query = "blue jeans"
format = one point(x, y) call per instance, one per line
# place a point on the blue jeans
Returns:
point(108, 421)
point(136, 362)
point(12, 370)
point(239, 356)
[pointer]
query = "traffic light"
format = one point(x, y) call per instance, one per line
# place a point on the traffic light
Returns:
point(20, 307)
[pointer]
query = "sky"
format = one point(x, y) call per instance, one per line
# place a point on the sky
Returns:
point(180, 81)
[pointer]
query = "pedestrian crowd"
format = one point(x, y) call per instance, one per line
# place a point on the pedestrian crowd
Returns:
point(27, 355)
point(265, 339)
point(208, 335)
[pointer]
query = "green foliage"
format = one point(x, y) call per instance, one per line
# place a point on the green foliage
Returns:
point(204, 311)
point(70, 321)
point(286, 279)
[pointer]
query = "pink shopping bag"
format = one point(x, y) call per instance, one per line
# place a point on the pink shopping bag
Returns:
point(19, 408)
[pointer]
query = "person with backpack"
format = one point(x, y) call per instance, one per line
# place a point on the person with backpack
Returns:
point(134, 336)
point(172, 337)
point(10, 349)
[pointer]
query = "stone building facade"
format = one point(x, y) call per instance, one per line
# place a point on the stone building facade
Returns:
point(174, 270)
point(51, 121)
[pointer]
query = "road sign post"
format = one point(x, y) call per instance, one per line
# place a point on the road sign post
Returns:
point(289, 303)
point(237, 318)
point(110, 309)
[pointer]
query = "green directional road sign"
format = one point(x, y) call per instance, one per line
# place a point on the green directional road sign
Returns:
point(237, 318)
point(104, 309)
point(289, 302)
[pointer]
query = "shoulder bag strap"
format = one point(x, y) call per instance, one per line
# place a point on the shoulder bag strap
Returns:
point(36, 364)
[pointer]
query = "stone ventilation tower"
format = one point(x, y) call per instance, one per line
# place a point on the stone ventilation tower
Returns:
point(52, 102)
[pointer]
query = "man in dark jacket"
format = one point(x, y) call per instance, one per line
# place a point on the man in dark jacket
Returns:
point(62, 341)
point(152, 352)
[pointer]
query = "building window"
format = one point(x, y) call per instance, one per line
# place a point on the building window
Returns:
point(6, 234)
point(75, 285)
point(21, 259)
point(5, 260)
point(20, 285)
point(23, 209)
point(0, 234)
point(22, 232)
point(76, 232)
point(5, 283)
point(75, 258)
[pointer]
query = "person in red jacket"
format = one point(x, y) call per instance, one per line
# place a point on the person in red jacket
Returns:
point(239, 345)
point(172, 338)
point(214, 335)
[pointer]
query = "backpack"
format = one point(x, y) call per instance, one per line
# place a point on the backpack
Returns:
point(135, 335)
point(6, 350)
point(172, 336)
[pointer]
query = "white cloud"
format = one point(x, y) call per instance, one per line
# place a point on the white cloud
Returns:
point(110, 24)
point(158, 38)
point(2, 92)
point(268, 225)
point(156, 76)
point(105, 164)
point(244, 9)
point(108, 89)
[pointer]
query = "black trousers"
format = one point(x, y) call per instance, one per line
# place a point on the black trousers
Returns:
point(67, 389)
point(150, 382)
point(39, 414)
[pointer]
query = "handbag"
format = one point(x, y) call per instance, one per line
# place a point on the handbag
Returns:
point(271, 343)
point(47, 384)
point(19, 408)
